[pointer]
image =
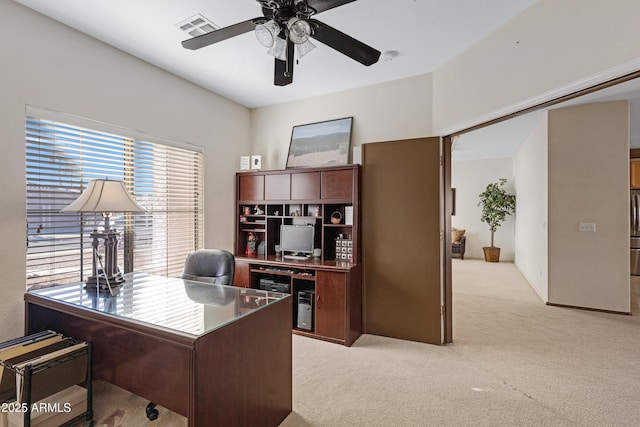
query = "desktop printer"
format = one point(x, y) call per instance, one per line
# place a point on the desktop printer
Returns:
point(269, 284)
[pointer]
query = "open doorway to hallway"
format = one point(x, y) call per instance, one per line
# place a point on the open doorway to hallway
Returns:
point(480, 156)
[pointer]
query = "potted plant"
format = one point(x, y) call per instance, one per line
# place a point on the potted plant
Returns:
point(496, 205)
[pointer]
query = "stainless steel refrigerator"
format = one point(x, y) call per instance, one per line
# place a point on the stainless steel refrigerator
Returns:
point(635, 232)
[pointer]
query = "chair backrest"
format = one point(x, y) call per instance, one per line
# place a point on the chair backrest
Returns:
point(210, 266)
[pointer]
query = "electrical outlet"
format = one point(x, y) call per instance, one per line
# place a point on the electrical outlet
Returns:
point(587, 226)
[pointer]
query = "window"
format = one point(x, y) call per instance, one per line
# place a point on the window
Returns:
point(165, 179)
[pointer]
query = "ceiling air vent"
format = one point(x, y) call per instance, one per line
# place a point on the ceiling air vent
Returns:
point(197, 25)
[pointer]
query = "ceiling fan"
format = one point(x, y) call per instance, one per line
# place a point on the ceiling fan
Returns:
point(287, 24)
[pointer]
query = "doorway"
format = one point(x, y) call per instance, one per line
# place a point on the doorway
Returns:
point(627, 87)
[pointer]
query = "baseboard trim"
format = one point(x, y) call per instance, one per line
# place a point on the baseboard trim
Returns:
point(626, 313)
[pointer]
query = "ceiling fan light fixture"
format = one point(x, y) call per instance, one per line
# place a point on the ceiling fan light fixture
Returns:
point(299, 30)
point(279, 49)
point(267, 33)
point(304, 48)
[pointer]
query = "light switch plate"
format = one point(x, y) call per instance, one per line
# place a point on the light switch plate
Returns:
point(587, 226)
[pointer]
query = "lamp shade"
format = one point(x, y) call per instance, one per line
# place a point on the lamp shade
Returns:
point(104, 195)
point(299, 30)
point(267, 33)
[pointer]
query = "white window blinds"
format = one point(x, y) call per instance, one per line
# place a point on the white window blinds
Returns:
point(165, 180)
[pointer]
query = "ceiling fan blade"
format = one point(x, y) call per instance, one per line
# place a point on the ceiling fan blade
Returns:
point(284, 69)
point(322, 5)
point(221, 34)
point(345, 44)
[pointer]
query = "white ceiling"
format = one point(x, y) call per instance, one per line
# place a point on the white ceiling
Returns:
point(425, 33)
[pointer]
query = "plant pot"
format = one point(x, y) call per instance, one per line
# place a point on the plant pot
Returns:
point(491, 254)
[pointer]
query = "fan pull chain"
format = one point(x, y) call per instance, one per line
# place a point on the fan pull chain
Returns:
point(287, 72)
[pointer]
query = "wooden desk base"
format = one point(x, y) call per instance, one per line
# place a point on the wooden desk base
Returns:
point(237, 375)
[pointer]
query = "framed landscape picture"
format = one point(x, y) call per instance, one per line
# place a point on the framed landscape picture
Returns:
point(320, 144)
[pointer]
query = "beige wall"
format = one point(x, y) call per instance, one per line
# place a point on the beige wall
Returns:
point(530, 178)
point(51, 66)
point(396, 110)
point(470, 178)
point(588, 183)
point(552, 48)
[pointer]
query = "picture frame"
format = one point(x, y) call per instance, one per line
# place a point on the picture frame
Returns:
point(245, 163)
point(319, 144)
point(256, 162)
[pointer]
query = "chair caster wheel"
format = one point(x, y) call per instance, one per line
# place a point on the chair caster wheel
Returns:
point(152, 412)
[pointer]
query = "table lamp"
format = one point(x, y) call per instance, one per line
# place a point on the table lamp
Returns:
point(105, 196)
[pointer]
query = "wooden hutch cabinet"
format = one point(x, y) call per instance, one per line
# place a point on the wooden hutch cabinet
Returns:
point(329, 200)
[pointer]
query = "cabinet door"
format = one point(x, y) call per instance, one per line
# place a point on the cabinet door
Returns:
point(337, 184)
point(305, 186)
point(331, 298)
point(634, 174)
point(251, 187)
point(277, 187)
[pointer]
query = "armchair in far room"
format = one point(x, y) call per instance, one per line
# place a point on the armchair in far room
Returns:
point(211, 266)
point(458, 242)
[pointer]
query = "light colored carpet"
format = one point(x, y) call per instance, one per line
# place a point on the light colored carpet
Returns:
point(514, 362)
point(115, 407)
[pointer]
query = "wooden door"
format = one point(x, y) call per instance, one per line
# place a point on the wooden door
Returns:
point(401, 237)
point(331, 297)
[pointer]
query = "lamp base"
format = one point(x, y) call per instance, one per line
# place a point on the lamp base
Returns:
point(103, 282)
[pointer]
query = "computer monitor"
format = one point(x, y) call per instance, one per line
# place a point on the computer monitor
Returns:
point(296, 241)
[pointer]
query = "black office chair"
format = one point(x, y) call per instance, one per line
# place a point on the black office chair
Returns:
point(210, 266)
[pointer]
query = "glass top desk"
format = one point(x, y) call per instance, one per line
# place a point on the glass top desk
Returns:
point(196, 348)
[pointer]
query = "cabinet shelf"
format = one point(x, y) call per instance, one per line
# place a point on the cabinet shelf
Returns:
point(299, 197)
point(271, 272)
